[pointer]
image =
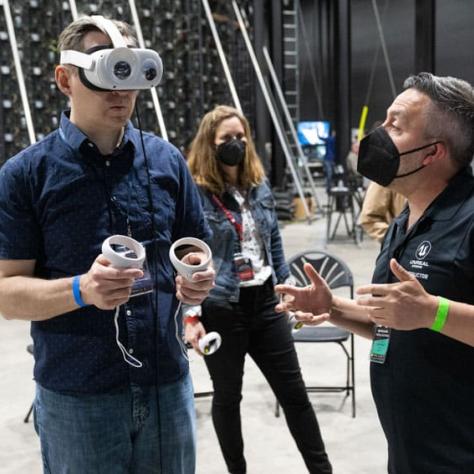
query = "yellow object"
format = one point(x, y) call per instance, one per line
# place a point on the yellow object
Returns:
point(363, 119)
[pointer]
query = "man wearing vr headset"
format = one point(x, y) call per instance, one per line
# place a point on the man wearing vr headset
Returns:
point(59, 200)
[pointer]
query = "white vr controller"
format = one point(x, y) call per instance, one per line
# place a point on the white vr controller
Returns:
point(131, 254)
point(294, 323)
point(212, 340)
point(124, 252)
point(184, 269)
point(210, 343)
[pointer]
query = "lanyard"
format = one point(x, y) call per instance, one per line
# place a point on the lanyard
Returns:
point(238, 227)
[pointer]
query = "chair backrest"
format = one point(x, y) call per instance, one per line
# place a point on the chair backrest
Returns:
point(336, 273)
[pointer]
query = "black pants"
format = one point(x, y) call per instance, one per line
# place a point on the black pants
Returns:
point(252, 326)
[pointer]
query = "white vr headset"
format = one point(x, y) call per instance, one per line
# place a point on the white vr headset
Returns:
point(119, 67)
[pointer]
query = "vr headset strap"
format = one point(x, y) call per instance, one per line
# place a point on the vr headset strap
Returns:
point(76, 58)
point(108, 27)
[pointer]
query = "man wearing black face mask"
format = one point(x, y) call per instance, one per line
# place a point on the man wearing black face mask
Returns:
point(380, 160)
point(419, 311)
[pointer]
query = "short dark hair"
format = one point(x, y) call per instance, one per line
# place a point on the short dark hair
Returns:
point(73, 35)
point(451, 114)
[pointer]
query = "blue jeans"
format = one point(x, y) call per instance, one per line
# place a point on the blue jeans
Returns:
point(118, 433)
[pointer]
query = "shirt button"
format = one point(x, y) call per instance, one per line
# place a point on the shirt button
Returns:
point(107, 163)
point(130, 351)
point(128, 312)
point(91, 145)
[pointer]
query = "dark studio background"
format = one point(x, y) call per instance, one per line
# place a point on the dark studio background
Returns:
point(338, 42)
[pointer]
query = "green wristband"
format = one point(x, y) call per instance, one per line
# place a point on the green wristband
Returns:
point(441, 314)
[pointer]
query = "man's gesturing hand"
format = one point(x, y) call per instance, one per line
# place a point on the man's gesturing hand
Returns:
point(312, 303)
point(193, 331)
point(404, 305)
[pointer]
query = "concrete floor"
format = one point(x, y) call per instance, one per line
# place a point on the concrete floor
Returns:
point(355, 445)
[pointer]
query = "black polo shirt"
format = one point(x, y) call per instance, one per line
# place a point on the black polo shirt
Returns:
point(424, 392)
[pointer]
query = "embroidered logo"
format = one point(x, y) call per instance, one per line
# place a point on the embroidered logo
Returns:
point(423, 250)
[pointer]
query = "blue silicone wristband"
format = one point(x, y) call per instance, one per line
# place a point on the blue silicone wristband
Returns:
point(76, 291)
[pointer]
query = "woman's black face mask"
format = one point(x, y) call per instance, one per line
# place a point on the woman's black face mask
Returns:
point(379, 158)
point(231, 153)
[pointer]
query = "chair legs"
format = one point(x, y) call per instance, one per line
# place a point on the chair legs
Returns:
point(27, 417)
point(349, 388)
point(342, 204)
point(203, 394)
point(353, 378)
point(30, 350)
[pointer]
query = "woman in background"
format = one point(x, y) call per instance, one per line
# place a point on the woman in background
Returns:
point(249, 261)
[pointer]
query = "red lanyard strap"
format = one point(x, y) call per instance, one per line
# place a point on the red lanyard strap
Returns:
point(228, 214)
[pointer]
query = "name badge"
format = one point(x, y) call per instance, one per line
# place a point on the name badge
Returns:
point(380, 343)
point(243, 267)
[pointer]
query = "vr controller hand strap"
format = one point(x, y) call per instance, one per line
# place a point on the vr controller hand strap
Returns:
point(127, 357)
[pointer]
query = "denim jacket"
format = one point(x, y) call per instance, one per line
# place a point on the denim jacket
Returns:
point(224, 240)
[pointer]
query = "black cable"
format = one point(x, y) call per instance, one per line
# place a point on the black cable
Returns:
point(154, 297)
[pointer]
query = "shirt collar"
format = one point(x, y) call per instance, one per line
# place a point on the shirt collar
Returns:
point(447, 203)
point(79, 142)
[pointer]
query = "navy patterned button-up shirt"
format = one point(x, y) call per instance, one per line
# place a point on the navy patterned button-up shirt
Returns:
point(59, 200)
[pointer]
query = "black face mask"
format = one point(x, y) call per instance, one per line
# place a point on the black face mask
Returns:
point(231, 153)
point(379, 158)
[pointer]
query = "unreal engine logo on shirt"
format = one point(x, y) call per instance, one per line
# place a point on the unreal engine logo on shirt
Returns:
point(423, 250)
point(419, 263)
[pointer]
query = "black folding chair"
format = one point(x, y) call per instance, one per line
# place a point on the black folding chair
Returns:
point(29, 349)
point(341, 206)
point(337, 274)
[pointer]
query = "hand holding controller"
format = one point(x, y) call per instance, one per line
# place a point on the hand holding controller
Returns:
point(125, 252)
point(294, 323)
point(192, 259)
point(187, 270)
point(211, 342)
point(130, 255)
point(195, 336)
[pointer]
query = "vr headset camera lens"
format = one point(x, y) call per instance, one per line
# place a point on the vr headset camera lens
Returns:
point(150, 70)
point(122, 70)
